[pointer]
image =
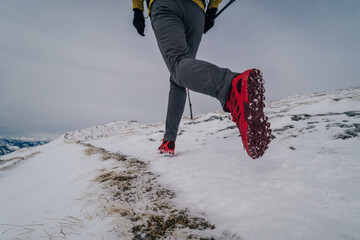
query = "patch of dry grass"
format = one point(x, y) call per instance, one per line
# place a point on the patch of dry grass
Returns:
point(137, 198)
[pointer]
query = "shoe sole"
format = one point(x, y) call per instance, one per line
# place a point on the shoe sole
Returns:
point(163, 152)
point(252, 120)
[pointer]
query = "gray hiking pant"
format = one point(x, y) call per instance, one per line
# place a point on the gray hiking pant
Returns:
point(178, 26)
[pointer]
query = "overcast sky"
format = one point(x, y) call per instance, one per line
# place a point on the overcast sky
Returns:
point(69, 64)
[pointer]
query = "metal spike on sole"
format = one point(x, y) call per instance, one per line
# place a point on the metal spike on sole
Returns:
point(258, 131)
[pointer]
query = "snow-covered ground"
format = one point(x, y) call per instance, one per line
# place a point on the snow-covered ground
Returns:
point(108, 182)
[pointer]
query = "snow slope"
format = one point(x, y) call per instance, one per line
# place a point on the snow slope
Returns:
point(305, 187)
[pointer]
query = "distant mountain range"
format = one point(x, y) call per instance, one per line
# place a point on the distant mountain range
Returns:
point(8, 145)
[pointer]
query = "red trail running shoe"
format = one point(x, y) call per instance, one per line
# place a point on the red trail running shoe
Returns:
point(167, 147)
point(246, 104)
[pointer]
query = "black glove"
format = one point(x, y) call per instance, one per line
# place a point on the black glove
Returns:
point(209, 18)
point(139, 21)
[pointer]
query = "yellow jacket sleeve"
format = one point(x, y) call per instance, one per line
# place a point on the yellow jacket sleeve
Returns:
point(214, 3)
point(138, 4)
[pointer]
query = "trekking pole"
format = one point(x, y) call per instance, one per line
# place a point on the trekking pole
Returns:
point(190, 105)
point(225, 7)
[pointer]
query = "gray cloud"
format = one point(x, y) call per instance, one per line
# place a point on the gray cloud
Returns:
point(72, 64)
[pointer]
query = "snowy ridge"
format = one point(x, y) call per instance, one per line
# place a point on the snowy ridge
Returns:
point(101, 131)
point(320, 102)
point(305, 186)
